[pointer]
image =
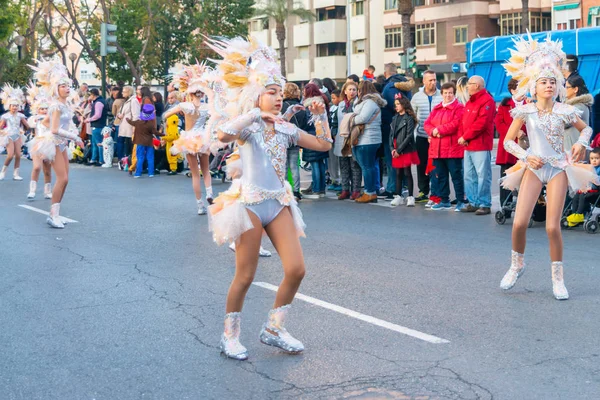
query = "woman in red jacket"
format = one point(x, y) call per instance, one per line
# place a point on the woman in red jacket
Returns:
point(502, 121)
point(447, 154)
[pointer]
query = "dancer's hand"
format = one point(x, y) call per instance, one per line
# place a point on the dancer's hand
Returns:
point(79, 143)
point(577, 152)
point(270, 118)
point(317, 108)
point(534, 162)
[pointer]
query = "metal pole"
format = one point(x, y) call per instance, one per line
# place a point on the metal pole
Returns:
point(103, 76)
point(166, 81)
point(19, 47)
point(348, 42)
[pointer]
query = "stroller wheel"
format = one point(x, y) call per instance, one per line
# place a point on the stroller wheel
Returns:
point(591, 226)
point(530, 224)
point(564, 224)
point(500, 217)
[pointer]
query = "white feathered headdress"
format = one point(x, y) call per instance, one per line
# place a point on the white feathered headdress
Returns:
point(532, 60)
point(12, 95)
point(40, 97)
point(51, 74)
point(247, 67)
point(189, 78)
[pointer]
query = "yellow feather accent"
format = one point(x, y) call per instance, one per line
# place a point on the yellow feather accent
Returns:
point(511, 68)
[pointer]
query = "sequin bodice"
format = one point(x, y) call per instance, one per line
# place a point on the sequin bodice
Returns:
point(66, 114)
point(546, 130)
point(189, 108)
point(13, 122)
point(264, 157)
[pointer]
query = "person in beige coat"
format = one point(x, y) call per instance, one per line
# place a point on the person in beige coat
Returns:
point(129, 109)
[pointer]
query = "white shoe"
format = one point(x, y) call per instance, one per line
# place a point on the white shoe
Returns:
point(106, 165)
point(264, 253)
point(201, 208)
point(517, 267)
point(16, 176)
point(48, 191)
point(32, 188)
point(54, 219)
point(410, 201)
point(558, 283)
point(397, 201)
point(429, 204)
point(2, 173)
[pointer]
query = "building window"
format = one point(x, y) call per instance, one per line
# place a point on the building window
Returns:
point(331, 49)
point(440, 1)
point(334, 12)
point(258, 25)
point(425, 34)
point(358, 8)
point(393, 38)
point(304, 52)
point(358, 46)
point(539, 22)
point(418, 3)
point(391, 5)
point(461, 34)
point(596, 21)
point(510, 24)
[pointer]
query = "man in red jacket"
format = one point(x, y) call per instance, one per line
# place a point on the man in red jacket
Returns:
point(476, 133)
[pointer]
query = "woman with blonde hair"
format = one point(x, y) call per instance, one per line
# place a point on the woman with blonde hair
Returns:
point(461, 90)
point(130, 109)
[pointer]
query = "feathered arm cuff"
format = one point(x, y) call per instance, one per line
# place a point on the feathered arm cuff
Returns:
point(237, 124)
point(513, 148)
point(584, 137)
point(321, 124)
point(291, 111)
point(68, 135)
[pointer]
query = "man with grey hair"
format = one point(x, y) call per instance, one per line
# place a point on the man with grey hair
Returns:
point(476, 133)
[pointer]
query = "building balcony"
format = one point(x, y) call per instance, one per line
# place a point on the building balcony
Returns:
point(333, 30)
point(328, 3)
point(301, 35)
point(358, 26)
point(263, 36)
point(301, 70)
point(333, 67)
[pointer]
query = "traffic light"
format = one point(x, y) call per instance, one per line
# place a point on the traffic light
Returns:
point(403, 63)
point(411, 57)
point(108, 39)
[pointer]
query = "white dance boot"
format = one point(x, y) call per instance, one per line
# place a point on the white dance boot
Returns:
point(54, 219)
point(32, 189)
point(2, 172)
point(274, 333)
point(201, 207)
point(517, 267)
point(16, 176)
point(230, 340)
point(558, 283)
point(48, 191)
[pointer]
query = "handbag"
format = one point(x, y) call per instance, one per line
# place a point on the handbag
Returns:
point(356, 131)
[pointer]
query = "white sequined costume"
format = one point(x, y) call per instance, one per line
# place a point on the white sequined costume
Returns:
point(44, 144)
point(197, 139)
point(13, 126)
point(263, 188)
point(546, 137)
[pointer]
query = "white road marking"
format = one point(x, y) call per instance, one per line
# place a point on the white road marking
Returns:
point(363, 317)
point(37, 210)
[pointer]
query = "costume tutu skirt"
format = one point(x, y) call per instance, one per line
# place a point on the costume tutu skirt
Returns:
point(405, 160)
point(43, 147)
point(191, 142)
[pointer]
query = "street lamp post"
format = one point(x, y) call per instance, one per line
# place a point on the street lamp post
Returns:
point(19, 41)
point(73, 57)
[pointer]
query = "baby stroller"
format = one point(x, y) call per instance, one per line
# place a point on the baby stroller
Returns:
point(510, 205)
point(218, 165)
point(591, 221)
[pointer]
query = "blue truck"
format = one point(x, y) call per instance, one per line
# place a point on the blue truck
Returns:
point(486, 55)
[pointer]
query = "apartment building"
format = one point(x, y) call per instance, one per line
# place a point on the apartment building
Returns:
point(573, 14)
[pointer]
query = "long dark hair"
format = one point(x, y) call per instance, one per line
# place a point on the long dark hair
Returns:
point(577, 81)
point(157, 97)
point(405, 103)
point(312, 90)
point(329, 84)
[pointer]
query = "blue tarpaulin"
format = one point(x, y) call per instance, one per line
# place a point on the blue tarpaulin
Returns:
point(485, 56)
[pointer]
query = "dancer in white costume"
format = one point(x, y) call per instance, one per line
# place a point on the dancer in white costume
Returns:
point(39, 107)
point(539, 69)
point(53, 77)
point(11, 124)
point(194, 142)
point(262, 199)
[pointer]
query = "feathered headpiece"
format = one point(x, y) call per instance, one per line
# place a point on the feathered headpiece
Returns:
point(189, 78)
point(40, 97)
point(247, 67)
point(532, 60)
point(51, 74)
point(12, 95)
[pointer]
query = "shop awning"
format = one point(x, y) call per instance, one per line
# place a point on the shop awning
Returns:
point(566, 6)
point(593, 11)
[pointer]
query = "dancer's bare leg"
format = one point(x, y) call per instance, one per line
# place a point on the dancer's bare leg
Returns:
point(10, 153)
point(37, 167)
point(192, 160)
point(283, 235)
point(556, 193)
point(47, 168)
point(61, 170)
point(246, 262)
point(529, 192)
point(17, 152)
point(204, 166)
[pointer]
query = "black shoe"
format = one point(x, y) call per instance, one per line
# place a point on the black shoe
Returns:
point(308, 191)
point(421, 198)
point(97, 164)
point(298, 196)
point(385, 195)
point(172, 173)
point(389, 197)
point(454, 202)
point(156, 172)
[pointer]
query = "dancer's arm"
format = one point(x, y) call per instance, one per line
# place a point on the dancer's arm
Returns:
point(171, 111)
point(322, 141)
point(232, 129)
point(513, 148)
point(578, 149)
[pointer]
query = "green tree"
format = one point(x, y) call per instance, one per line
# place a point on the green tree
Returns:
point(281, 11)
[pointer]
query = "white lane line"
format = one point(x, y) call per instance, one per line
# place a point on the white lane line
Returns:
point(37, 210)
point(363, 317)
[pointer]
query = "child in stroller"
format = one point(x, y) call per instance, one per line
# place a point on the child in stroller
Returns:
point(582, 207)
point(218, 165)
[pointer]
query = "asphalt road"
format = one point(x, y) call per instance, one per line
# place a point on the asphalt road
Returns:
point(128, 303)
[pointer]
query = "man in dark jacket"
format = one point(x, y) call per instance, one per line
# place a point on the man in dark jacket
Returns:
point(394, 83)
point(97, 120)
point(476, 133)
